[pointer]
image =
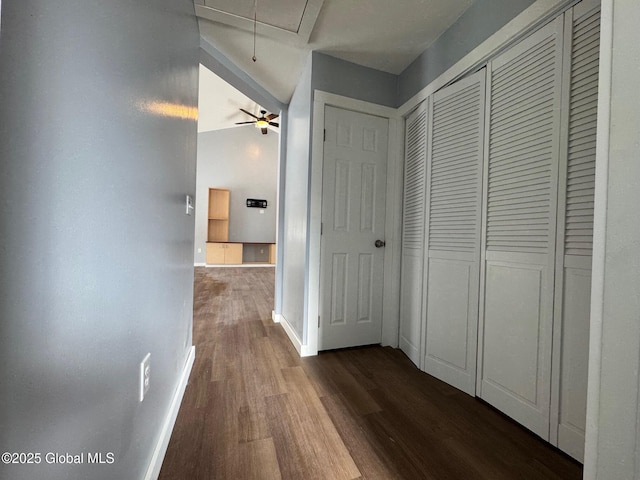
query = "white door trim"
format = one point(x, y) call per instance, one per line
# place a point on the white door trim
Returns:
point(596, 329)
point(393, 219)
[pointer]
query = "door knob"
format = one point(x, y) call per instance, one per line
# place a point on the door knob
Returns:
point(380, 243)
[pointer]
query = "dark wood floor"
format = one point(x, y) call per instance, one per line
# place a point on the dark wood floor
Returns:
point(254, 410)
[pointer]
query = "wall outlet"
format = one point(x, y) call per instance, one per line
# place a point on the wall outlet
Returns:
point(199, 250)
point(145, 375)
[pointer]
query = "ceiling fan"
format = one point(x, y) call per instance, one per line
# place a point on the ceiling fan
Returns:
point(261, 122)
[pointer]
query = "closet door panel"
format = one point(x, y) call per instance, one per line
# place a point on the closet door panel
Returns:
point(448, 318)
point(411, 291)
point(454, 175)
point(520, 227)
point(574, 361)
point(513, 292)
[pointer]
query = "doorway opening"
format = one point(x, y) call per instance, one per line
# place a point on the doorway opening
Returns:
point(236, 177)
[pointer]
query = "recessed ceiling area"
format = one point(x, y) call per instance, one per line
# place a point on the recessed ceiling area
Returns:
point(380, 34)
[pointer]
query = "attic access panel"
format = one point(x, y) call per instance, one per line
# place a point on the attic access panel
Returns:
point(284, 14)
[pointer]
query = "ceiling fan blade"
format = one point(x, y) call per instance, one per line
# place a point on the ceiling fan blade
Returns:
point(248, 113)
point(274, 124)
point(244, 123)
point(271, 116)
point(264, 131)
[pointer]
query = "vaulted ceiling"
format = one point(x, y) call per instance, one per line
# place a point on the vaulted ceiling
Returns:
point(383, 34)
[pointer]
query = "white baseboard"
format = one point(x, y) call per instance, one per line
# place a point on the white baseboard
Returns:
point(239, 265)
point(410, 351)
point(276, 317)
point(291, 334)
point(200, 264)
point(153, 471)
point(303, 350)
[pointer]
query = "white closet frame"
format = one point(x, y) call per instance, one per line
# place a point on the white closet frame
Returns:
point(531, 21)
point(559, 263)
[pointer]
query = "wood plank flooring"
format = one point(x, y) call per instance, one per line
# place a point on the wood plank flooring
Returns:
point(254, 410)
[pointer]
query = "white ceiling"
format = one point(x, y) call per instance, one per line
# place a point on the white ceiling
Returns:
point(219, 105)
point(382, 34)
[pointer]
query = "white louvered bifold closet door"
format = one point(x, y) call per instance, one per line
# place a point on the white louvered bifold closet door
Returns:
point(413, 233)
point(452, 269)
point(575, 229)
point(521, 177)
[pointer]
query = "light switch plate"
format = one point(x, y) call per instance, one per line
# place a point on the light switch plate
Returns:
point(189, 204)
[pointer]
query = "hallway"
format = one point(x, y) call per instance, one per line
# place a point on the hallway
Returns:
point(254, 410)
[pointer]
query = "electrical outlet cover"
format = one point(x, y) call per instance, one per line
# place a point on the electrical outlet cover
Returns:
point(145, 375)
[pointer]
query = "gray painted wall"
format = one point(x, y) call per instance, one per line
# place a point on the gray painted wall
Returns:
point(245, 162)
point(479, 22)
point(344, 78)
point(296, 204)
point(96, 263)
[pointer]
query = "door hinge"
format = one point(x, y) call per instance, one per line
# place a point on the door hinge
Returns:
point(318, 321)
point(325, 135)
point(321, 226)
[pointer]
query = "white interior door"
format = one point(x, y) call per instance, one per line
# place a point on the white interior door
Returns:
point(413, 229)
point(519, 241)
point(575, 230)
point(353, 215)
point(455, 161)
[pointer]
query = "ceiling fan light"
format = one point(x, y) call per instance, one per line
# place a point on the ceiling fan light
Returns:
point(262, 123)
